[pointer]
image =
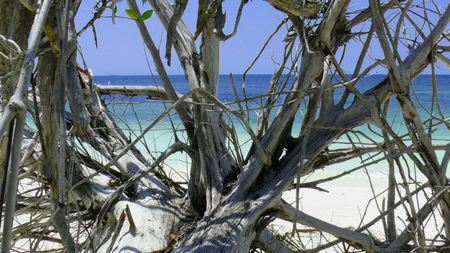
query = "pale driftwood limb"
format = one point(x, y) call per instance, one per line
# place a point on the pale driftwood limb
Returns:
point(8, 146)
point(215, 161)
point(443, 59)
point(307, 8)
point(365, 14)
point(183, 40)
point(307, 123)
point(11, 184)
point(104, 134)
point(77, 102)
point(181, 108)
point(378, 93)
point(335, 14)
point(114, 198)
point(150, 234)
point(390, 220)
point(98, 13)
point(364, 241)
point(125, 149)
point(417, 60)
point(310, 71)
point(18, 98)
point(236, 218)
point(180, 6)
point(53, 80)
point(267, 241)
point(134, 90)
point(116, 231)
point(416, 224)
point(8, 116)
point(422, 214)
point(131, 145)
point(260, 149)
point(380, 28)
point(373, 221)
point(264, 113)
point(236, 23)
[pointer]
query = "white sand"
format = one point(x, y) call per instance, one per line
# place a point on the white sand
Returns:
point(349, 199)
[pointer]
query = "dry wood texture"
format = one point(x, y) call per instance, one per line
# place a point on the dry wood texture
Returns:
point(91, 189)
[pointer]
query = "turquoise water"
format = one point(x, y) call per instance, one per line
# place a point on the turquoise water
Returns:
point(128, 110)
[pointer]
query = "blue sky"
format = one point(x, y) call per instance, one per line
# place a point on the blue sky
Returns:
point(121, 50)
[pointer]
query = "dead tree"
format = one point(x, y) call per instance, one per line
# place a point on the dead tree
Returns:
point(100, 193)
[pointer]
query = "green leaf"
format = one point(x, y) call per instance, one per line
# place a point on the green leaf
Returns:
point(146, 15)
point(115, 10)
point(132, 14)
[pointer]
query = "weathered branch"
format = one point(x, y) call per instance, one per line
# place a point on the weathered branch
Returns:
point(180, 6)
point(267, 241)
point(182, 109)
point(308, 8)
point(135, 90)
point(357, 239)
point(19, 98)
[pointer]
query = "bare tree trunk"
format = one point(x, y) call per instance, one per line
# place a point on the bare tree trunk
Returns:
point(16, 107)
point(14, 30)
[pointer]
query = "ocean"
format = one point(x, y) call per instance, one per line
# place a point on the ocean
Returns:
point(135, 113)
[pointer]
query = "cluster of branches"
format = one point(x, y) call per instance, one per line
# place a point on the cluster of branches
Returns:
point(90, 188)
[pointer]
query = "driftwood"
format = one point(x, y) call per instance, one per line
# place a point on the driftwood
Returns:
point(91, 189)
point(129, 90)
